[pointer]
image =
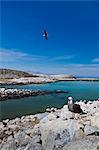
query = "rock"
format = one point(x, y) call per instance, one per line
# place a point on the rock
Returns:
point(97, 114)
point(56, 139)
point(9, 138)
point(29, 131)
point(66, 115)
point(79, 134)
point(92, 111)
point(98, 146)
point(17, 120)
point(8, 132)
point(14, 93)
point(6, 121)
point(77, 116)
point(10, 145)
point(14, 127)
point(87, 123)
point(1, 144)
point(53, 109)
point(58, 132)
point(41, 115)
point(36, 139)
point(0, 141)
point(57, 113)
point(55, 130)
point(65, 108)
point(12, 121)
point(21, 138)
point(2, 134)
point(2, 90)
point(34, 146)
point(89, 130)
point(95, 121)
point(21, 148)
point(87, 143)
point(44, 120)
point(27, 119)
point(48, 110)
point(1, 126)
point(36, 130)
point(51, 116)
point(22, 117)
point(34, 122)
point(31, 116)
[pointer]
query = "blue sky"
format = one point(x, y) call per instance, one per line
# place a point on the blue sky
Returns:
point(73, 43)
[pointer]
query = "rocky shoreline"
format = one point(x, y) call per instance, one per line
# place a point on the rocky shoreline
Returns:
point(6, 94)
point(56, 129)
point(42, 80)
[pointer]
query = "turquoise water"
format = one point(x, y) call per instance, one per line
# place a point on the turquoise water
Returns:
point(80, 90)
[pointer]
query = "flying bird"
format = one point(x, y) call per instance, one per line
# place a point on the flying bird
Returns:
point(45, 34)
point(73, 107)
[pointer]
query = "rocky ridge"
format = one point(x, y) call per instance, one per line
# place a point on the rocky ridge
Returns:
point(6, 94)
point(10, 74)
point(56, 129)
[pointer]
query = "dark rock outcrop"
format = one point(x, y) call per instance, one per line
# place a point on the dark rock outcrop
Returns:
point(18, 93)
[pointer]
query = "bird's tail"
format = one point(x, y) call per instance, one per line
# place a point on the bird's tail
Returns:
point(83, 113)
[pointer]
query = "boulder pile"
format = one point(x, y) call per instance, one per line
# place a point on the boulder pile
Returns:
point(56, 129)
point(19, 93)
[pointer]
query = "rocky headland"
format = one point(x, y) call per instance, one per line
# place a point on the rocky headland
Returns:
point(6, 94)
point(56, 129)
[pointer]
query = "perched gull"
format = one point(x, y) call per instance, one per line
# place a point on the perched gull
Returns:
point(73, 107)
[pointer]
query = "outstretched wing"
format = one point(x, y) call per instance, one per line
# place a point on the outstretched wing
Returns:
point(45, 34)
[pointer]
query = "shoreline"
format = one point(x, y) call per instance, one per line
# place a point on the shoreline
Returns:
point(55, 128)
point(41, 80)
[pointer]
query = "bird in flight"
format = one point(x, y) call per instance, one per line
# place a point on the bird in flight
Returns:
point(45, 34)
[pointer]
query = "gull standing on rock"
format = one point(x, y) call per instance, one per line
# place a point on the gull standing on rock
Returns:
point(73, 107)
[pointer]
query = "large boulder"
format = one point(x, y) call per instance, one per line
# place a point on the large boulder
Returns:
point(95, 121)
point(87, 143)
point(9, 145)
point(21, 138)
point(57, 133)
point(56, 139)
point(90, 130)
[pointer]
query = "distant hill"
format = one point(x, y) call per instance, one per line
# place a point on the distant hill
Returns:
point(9, 74)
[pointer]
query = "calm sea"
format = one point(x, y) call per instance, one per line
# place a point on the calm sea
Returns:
point(80, 90)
